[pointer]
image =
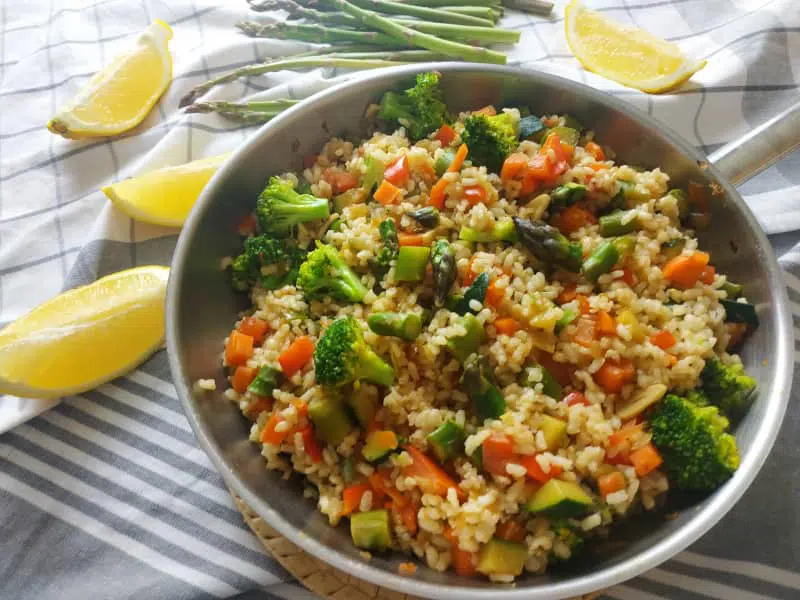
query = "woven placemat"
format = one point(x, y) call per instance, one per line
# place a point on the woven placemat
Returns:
point(317, 576)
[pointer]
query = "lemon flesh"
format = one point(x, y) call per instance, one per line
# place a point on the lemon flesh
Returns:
point(166, 196)
point(120, 96)
point(86, 336)
point(626, 54)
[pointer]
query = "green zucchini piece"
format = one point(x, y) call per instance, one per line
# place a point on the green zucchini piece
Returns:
point(740, 312)
point(411, 263)
point(371, 530)
point(268, 379)
point(379, 445)
point(500, 557)
point(560, 499)
point(331, 423)
point(447, 441)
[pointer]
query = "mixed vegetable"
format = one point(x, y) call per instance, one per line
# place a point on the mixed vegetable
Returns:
point(683, 432)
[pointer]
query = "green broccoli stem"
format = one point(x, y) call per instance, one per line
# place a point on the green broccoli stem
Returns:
point(421, 12)
point(313, 33)
point(248, 113)
point(334, 60)
point(418, 38)
point(372, 368)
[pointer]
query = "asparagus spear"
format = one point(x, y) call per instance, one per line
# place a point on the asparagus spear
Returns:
point(418, 38)
point(334, 60)
point(463, 33)
point(536, 7)
point(444, 3)
point(314, 33)
point(249, 113)
point(301, 12)
point(420, 12)
point(482, 12)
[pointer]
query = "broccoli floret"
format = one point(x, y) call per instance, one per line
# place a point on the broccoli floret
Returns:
point(342, 356)
point(388, 252)
point(698, 453)
point(566, 543)
point(261, 251)
point(728, 387)
point(280, 207)
point(698, 397)
point(489, 139)
point(324, 273)
point(421, 109)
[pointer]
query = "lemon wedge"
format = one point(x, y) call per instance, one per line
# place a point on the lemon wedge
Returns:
point(86, 336)
point(164, 197)
point(120, 96)
point(626, 54)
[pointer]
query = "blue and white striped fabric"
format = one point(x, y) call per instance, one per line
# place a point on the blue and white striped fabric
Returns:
point(108, 495)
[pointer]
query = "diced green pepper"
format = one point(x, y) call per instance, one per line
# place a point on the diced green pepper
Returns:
point(268, 379)
point(447, 440)
point(412, 262)
point(371, 530)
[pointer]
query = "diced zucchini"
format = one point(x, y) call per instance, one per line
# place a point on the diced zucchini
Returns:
point(554, 431)
point(672, 248)
point(500, 557)
point(371, 530)
point(463, 345)
point(447, 441)
point(411, 263)
point(348, 198)
point(740, 312)
point(379, 445)
point(560, 499)
point(443, 162)
point(331, 423)
point(364, 404)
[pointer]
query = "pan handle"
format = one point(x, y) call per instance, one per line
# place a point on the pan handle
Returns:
point(761, 148)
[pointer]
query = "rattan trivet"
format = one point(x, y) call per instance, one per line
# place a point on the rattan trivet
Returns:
point(320, 578)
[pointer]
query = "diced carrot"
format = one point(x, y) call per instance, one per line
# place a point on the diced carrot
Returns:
point(561, 372)
point(387, 193)
point(597, 167)
point(494, 294)
point(627, 276)
point(256, 328)
point(613, 375)
point(296, 355)
point(511, 531)
point(672, 360)
point(408, 516)
point(663, 339)
point(646, 459)
point(475, 194)
point(540, 167)
point(514, 166)
point(238, 349)
point(412, 239)
point(535, 470)
point(436, 197)
point(708, 274)
point(470, 274)
point(257, 406)
point(561, 151)
point(431, 478)
point(301, 408)
point(242, 377)
point(446, 135)
point(610, 483)
point(248, 225)
point(339, 180)
point(458, 160)
point(487, 110)
point(595, 150)
point(397, 172)
point(310, 443)
point(351, 497)
point(605, 324)
point(685, 270)
point(309, 160)
point(568, 294)
point(270, 433)
point(576, 397)
point(507, 326)
point(625, 435)
point(462, 560)
point(498, 451)
point(381, 485)
point(529, 183)
point(585, 331)
point(573, 218)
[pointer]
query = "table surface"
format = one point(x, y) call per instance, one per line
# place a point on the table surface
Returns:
point(107, 495)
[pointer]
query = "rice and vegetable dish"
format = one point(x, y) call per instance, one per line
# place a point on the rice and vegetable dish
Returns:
point(481, 340)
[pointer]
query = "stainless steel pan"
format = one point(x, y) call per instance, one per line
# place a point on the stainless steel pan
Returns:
point(201, 309)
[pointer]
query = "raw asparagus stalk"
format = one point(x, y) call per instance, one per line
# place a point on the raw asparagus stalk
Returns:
point(443, 3)
point(482, 12)
point(463, 33)
point(301, 12)
point(420, 12)
point(418, 38)
point(249, 113)
point(536, 7)
point(314, 33)
point(284, 64)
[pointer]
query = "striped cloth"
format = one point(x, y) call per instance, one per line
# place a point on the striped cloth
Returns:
point(108, 495)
